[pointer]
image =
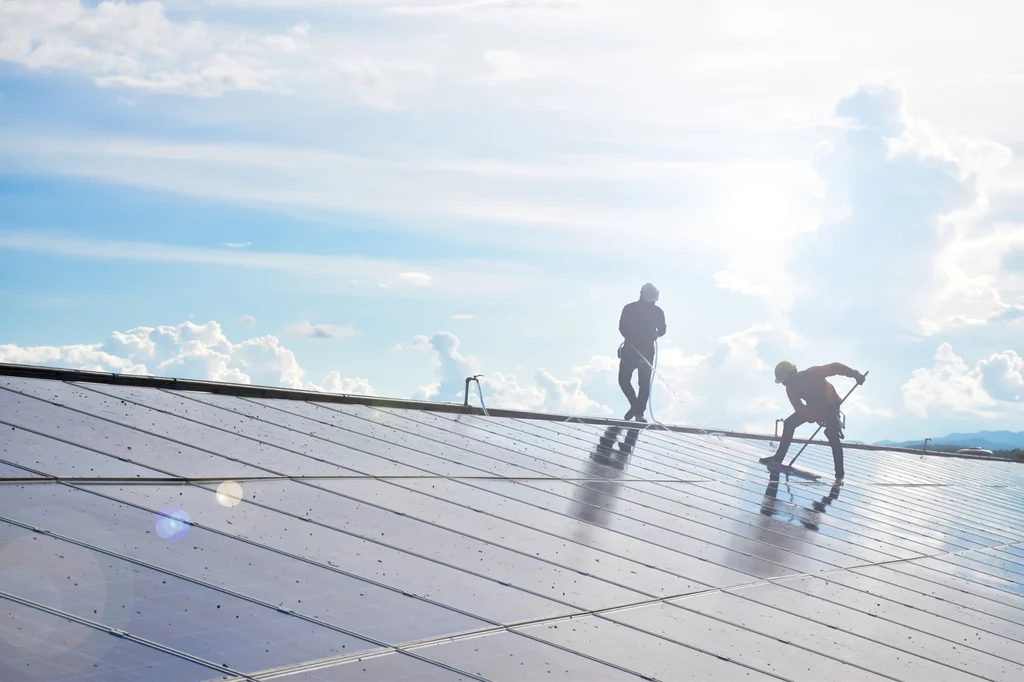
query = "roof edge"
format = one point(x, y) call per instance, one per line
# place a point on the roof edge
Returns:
point(256, 391)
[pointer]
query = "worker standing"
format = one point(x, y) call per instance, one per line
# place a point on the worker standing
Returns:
point(641, 324)
point(814, 399)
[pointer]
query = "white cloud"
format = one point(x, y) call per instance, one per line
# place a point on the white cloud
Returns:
point(363, 274)
point(567, 397)
point(506, 66)
point(237, 245)
point(457, 8)
point(186, 350)
point(949, 387)
point(1002, 376)
point(335, 383)
point(305, 330)
point(546, 394)
point(857, 405)
point(134, 45)
point(416, 279)
point(451, 365)
point(694, 204)
point(247, 321)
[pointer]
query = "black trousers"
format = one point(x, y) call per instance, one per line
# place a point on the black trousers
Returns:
point(634, 361)
point(833, 432)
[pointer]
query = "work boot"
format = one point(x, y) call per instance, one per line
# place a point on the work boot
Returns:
point(771, 459)
point(629, 415)
point(640, 418)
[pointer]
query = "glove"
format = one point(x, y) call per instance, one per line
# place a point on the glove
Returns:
point(860, 379)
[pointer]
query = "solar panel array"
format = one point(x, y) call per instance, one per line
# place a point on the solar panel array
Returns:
point(160, 535)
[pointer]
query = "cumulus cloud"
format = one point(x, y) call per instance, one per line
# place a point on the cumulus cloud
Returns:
point(456, 8)
point(186, 350)
point(305, 330)
point(135, 45)
point(873, 270)
point(545, 394)
point(1002, 375)
point(950, 386)
point(856, 404)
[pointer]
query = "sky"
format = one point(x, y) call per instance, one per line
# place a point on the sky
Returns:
point(386, 196)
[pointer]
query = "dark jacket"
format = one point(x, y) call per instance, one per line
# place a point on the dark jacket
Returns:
point(810, 387)
point(640, 324)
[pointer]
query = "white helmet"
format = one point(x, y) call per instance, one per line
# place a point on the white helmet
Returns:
point(649, 293)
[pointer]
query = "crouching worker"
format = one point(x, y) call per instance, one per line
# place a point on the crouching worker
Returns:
point(814, 400)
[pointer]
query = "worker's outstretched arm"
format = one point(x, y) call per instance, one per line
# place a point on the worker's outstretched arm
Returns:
point(839, 369)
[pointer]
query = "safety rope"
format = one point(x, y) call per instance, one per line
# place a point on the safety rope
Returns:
point(650, 389)
point(650, 393)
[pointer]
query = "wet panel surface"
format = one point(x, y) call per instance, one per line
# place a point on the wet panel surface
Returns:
point(508, 657)
point(306, 588)
point(159, 607)
point(759, 650)
point(635, 649)
point(36, 646)
point(115, 440)
point(394, 667)
point(425, 530)
point(56, 458)
point(476, 594)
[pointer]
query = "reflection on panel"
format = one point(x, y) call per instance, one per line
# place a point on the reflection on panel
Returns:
point(557, 539)
point(508, 657)
point(115, 440)
point(635, 649)
point(395, 667)
point(204, 426)
point(57, 458)
point(911, 639)
point(365, 558)
point(39, 647)
point(304, 418)
point(956, 633)
point(301, 586)
point(832, 641)
point(478, 547)
point(294, 532)
point(159, 607)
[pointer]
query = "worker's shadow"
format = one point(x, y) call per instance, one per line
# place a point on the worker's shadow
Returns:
point(595, 496)
point(790, 512)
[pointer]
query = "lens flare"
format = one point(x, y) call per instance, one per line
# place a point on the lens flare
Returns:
point(173, 524)
point(229, 493)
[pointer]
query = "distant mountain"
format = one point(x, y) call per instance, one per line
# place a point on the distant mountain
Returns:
point(990, 440)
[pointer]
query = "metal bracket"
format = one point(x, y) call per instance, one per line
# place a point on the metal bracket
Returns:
point(465, 394)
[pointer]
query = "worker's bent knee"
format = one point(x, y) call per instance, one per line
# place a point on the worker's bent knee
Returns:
point(793, 421)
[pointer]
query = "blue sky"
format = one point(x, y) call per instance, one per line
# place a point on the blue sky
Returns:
point(386, 195)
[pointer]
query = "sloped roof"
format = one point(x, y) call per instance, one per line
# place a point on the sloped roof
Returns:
point(149, 532)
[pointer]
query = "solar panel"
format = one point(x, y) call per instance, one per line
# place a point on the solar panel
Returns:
point(161, 534)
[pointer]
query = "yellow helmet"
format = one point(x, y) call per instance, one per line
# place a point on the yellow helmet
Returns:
point(783, 370)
